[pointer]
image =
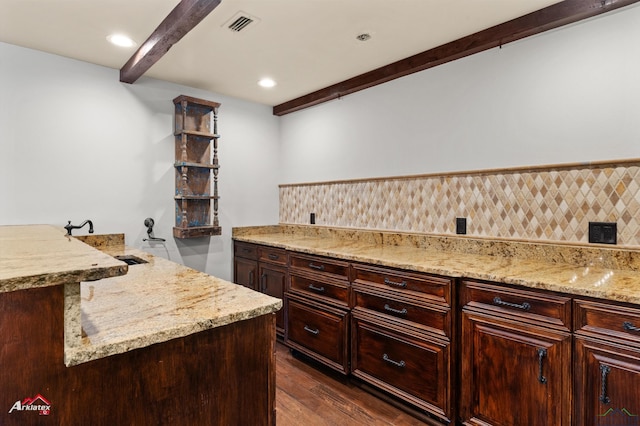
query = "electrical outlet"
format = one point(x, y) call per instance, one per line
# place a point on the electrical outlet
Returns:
point(461, 225)
point(603, 232)
point(312, 218)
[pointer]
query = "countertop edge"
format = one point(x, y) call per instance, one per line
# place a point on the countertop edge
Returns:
point(75, 356)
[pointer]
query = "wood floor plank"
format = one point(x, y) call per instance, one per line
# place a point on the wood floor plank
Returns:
point(311, 396)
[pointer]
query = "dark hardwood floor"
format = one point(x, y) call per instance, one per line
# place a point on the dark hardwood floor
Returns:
point(307, 396)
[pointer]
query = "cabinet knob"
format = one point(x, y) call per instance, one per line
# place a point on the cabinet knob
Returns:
point(629, 327)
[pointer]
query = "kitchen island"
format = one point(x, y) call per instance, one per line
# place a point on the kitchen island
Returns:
point(88, 339)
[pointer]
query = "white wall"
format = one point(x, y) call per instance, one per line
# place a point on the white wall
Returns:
point(77, 144)
point(568, 95)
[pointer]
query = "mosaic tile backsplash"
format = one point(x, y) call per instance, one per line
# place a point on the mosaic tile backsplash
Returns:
point(551, 203)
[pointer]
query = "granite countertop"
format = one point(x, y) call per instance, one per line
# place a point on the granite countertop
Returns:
point(527, 264)
point(155, 302)
point(43, 255)
point(110, 307)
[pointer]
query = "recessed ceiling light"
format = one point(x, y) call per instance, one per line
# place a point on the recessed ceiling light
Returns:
point(266, 82)
point(121, 40)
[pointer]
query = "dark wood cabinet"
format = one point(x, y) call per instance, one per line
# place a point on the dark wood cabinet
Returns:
point(401, 336)
point(318, 309)
point(403, 361)
point(319, 331)
point(460, 351)
point(515, 367)
point(263, 269)
point(245, 265)
point(607, 364)
point(272, 268)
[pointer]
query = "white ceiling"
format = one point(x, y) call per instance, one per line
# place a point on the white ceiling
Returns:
point(304, 45)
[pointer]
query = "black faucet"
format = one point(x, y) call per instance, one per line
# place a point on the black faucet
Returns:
point(69, 226)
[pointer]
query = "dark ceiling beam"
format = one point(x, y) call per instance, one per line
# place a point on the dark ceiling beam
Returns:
point(182, 19)
point(554, 16)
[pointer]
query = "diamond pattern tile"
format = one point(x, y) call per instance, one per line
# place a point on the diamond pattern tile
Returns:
point(554, 203)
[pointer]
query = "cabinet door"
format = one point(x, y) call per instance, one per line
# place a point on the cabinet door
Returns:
point(272, 282)
point(513, 373)
point(245, 272)
point(607, 385)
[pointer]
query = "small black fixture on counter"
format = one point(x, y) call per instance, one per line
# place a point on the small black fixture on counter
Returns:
point(69, 226)
point(312, 218)
point(149, 222)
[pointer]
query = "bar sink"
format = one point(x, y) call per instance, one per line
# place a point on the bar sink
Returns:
point(131, 260)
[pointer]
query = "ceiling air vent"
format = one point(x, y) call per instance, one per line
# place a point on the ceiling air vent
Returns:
point(240, 21)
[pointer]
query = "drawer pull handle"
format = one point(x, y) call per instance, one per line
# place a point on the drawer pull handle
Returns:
point(311, 330)
point(541, 354)
point(246, 250)
point(525, 306)
point(317, 267)
point(402, 311)
point(604, 373)
point(318, 289)
point(402, 284)
point(629, 327)
point(400, 364)
point(273, 256)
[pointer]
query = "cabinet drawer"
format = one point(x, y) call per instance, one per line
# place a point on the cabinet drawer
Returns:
point(435, 288)
point(412, 369)
point(272, 255)
point(326, 290)
point(433, 317)
point(318, 331)
point(245, 250)
point(535, 306)
point(320, 265)
point(608, 320)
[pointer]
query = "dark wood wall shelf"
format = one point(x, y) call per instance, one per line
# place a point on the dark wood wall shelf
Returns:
point(196, 165)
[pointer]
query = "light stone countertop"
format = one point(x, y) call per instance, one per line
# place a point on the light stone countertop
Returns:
point(107, 312)
point(155, 302)
point(535, 269)
point(43, 255)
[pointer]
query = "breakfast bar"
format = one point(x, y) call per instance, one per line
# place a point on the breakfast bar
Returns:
point(95, 332)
